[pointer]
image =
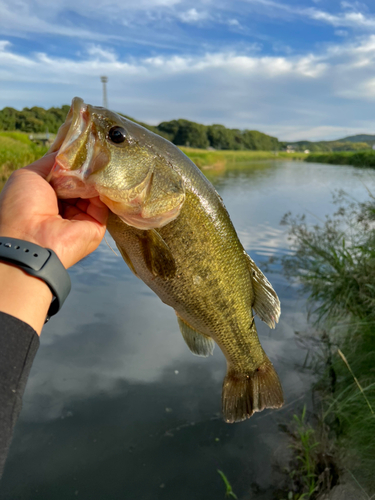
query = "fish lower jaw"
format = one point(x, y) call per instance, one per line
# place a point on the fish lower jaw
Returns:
point(136, 215)
point(72, 187)
point(140, 222)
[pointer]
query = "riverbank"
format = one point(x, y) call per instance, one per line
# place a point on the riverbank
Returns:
point(357, 159)
point(219, 159)
point(17, 150)
point(334, 262)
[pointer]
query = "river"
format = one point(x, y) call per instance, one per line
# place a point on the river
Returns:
point(116, 406)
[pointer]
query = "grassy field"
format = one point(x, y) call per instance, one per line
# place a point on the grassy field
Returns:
point(16, 151)
point(206, 159)
point(357, 159)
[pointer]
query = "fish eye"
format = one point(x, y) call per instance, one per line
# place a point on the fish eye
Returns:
point(117, 135)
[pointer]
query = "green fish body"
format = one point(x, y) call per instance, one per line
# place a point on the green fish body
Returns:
point(175, 234)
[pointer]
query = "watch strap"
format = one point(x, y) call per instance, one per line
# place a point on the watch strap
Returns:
point(40, 262)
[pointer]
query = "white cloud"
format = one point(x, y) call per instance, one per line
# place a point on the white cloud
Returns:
point(341, 33)
point(266, 93)
point(350, 18)
point(4, 44)
point(233, 22)
point(354, 5)
point(146, 21)
point(102, 54)
point(347, 19)
point(193, 16)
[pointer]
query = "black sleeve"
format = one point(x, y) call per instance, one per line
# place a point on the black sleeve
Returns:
point(18, 346)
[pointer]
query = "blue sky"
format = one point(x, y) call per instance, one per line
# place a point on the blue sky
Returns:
point(295, 69)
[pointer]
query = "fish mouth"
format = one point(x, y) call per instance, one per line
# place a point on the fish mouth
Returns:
point(75, 145)
point(72, 127)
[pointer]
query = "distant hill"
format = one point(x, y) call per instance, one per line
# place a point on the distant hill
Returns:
point(351, 143)
point(338, 145)
point(359, 138)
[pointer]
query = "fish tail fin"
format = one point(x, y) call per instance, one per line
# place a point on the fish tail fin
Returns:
point(246, 393)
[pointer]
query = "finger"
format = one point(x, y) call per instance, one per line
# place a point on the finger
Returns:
point(97, 202)
point(43, 166)
point(69, 201)
point(99, 213)
point(70, 212)
point(83, 205)
point(61, 206)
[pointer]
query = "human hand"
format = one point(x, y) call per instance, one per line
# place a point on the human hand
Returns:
point(30, 210)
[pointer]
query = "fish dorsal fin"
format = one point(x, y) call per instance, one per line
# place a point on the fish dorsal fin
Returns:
point(198, 343)
point(266, 302)
point(126, 258)
point(157, 255)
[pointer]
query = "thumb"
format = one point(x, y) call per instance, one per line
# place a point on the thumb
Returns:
point(43, 166)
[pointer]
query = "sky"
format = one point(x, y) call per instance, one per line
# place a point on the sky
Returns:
point(294, 69)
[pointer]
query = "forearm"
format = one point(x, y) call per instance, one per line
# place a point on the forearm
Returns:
point(23, 296)
point(18, 346)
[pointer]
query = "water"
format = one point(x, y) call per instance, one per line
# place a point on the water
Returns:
point(116, 406)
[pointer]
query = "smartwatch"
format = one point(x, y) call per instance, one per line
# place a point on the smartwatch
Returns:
point(40, 262)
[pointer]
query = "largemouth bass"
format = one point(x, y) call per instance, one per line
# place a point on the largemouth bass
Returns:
point(172, 229)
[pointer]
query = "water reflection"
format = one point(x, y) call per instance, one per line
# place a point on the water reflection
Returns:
point(117, 406)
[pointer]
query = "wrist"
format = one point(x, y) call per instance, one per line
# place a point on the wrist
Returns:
point(39, 262)
point(25, 297)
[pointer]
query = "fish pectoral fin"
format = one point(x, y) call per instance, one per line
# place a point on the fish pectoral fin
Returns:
point(198, 343)
point(126, 258)
point(266, 302)
point(157, 255)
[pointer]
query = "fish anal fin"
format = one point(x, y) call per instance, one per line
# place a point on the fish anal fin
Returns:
point(246, 393)
point(198, 343)
point(126, 258)
point(157, 255)
point(266, 302)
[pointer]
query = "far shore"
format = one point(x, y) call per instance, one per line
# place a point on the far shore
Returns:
point(218, 159)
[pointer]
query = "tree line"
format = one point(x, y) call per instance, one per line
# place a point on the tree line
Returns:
point(181, 132)
point(33, 120)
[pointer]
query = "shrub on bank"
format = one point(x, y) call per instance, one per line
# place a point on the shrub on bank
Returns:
point(356, 159)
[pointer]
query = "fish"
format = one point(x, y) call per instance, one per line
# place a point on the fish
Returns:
point(175, 234)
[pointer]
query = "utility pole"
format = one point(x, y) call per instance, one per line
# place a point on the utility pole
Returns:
point(104, 80)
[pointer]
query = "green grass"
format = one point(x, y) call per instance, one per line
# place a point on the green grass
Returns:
point(16, 151)
point(219, 159)
point(303, 471)
point(17, 136)
point(357, 159)
point(349, 409)
point(335, 263)
point(228, 488)
point(306, 454)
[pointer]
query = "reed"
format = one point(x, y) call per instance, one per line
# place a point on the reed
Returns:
point(334, 261)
